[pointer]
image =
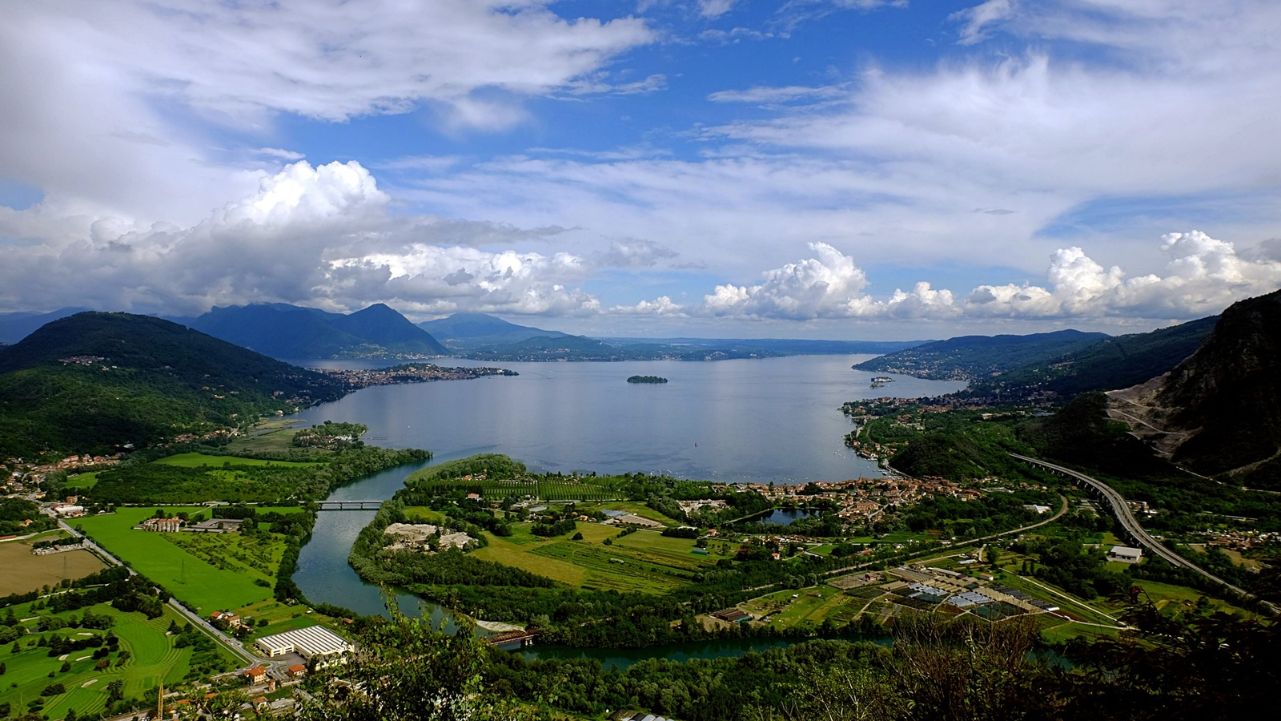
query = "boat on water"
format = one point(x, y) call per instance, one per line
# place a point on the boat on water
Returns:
point(879, 381)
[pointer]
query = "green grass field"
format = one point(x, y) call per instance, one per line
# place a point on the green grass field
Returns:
point(273, 435)
point(153, 659)
point(81, 481)
point(423, 514)
point(199, 460)
point(196, 582)
point(644, 561)
point(810, 607)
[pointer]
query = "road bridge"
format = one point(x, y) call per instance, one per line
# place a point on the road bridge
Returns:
point(353, 505)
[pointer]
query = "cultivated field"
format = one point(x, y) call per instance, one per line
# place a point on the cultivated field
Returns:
point(273, 435)
point(24, 571)
point(203, 586)
point(810, 607)
point(199, 460)
point(644, 561)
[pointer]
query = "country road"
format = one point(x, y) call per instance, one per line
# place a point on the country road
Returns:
point(229, 643)
point(1121, 510)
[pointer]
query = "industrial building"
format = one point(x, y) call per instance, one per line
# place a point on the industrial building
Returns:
point(312, 642)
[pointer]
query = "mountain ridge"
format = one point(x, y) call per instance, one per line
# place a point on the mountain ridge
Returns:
point(94, 382)
point(294, 332)
point(1219, 411)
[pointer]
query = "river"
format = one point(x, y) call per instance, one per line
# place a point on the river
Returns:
point(775, 419)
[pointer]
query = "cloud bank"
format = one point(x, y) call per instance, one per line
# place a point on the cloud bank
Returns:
point(328, 234)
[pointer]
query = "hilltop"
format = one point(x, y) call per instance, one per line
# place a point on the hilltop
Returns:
point(1219, 411)
point(1115, 362)
point(94, 382)
point(465, 331)
point(294, 332)
point(1048, 366)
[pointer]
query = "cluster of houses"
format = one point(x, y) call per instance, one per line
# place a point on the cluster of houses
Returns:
point(69, 508)
point(860, 500)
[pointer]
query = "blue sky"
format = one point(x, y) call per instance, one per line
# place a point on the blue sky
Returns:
point(809, 168)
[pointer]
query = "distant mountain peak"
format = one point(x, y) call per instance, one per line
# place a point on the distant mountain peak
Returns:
point(289, 331)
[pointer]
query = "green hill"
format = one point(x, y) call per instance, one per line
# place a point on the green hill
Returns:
point(977, 357)
point(1117, 362)
point(469, 331)
point(94, 382)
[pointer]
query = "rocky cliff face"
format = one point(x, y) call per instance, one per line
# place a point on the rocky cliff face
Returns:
point(1231, 390)
point(1220, 410)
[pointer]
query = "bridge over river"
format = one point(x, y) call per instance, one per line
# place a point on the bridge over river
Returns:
point(352, 505)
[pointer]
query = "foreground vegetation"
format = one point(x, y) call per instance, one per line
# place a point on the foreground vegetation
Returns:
point(1203, 667)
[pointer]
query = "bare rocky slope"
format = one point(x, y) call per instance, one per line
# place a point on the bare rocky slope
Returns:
point(1219, 412)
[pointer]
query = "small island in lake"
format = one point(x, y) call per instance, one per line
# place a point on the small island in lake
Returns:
point(646, 379)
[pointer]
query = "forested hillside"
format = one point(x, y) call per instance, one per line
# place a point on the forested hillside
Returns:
point(977, 357)
point(94, 382)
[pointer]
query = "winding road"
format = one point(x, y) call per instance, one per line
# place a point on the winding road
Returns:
point(1121, 510)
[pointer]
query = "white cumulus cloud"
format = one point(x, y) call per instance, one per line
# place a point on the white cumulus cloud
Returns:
point(1202, 276)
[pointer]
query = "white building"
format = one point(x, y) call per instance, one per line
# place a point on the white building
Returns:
point(1125, 554)
point(312, 642)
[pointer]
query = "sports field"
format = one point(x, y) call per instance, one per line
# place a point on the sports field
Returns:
point(24, 571)
point(201, 585)
point(644, 561)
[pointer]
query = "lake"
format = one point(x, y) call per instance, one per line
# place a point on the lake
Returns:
point(775, 419)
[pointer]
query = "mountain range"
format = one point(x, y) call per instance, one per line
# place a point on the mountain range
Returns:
point(976, 357)
point(470, 331)
point(18, 325)
point(294, 332)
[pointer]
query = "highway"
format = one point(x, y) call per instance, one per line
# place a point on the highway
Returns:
point(1121, 510)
